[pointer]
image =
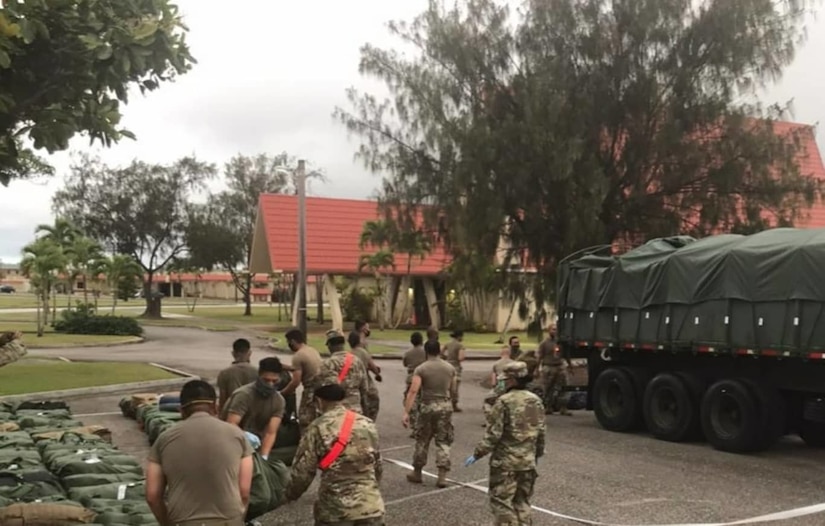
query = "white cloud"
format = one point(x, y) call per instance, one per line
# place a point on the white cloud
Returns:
point(268, 81)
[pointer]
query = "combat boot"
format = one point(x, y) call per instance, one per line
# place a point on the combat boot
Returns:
point(442, 478)
point(415, 476)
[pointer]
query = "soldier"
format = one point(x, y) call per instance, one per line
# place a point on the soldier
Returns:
point(432, 333)
point(436, 379)
point(414, 357)
point(515, 439)
point(258, 407)
point(344, 446)
point(346, 369)
point(515, 347)
point(454, 353)
point(306, 363)
point(241, 372)
point(496, 390)
point(198, 492)
point(373, 401)
point(553, 374)
point(11, 347)
point(362, 329)
point(529, 357)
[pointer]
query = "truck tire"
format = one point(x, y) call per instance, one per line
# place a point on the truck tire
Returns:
point(731, 417)
point(616, 401)
point(670, 409)
point(772, 412)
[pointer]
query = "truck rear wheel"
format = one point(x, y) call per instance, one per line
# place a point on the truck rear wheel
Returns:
point(670, 409)
point(731, 417)
point(616, 402)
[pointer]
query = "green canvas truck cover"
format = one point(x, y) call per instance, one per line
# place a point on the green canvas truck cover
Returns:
point(765, 290)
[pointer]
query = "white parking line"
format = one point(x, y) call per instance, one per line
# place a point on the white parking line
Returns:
point(397, 448)
point(429, 493)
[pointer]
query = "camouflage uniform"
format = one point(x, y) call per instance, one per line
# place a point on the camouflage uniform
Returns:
point(11, 348)
point(412, 359)
point(435, 414)
point(529, 357)
point(355, 383)
point(515, 439)
point(451, 352)
point(553, 377)
point(372, 402)
point(496, 391)
point(348, 494)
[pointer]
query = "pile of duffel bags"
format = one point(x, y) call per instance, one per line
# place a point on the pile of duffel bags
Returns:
point(157, 412)
point(54, 470)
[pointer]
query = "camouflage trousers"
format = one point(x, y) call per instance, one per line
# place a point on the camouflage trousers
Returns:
point(307, 410)
point(435, 421)
point(554, 380)
point(372, 521)
point(454, 392)
point(510, 493)
point(372, 402)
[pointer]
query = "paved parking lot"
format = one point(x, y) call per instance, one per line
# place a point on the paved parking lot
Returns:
point(587, 472)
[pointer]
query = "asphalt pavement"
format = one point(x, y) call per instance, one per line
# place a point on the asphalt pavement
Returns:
point(589, 473)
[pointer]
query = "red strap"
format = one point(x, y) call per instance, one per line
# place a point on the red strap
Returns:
point(345, 369)
point(340, 443)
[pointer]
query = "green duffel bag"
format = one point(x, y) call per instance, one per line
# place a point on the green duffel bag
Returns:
point(270, 479)
point(98, 479)
point(7, 417)
point(30, 486)
point(284, 454)
point(116, 490)
point(125, 506)
point(44, 424)
point(145, 411)
point(52, 449)
point(289, 434)
point(16, 439)
point(44, 405)
point(20, 462)
point(126, 407)
point(94, 462)
point(7, 455)
point(51, 456)
point(52, 414)
point(159, 424)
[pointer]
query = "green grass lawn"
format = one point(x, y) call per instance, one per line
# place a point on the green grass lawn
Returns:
point(31, 377)
point(24, 300)
point(52, 339)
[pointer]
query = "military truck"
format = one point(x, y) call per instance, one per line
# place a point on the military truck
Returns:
point(721, 337)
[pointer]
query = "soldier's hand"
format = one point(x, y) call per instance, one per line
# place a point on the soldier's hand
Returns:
point(470, 461)
point(405, 420)
point(378, 378)
point(17, 335)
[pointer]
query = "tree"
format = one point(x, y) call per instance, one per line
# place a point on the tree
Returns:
point(122, 274)
point(139, 210)
point(81, 252)
point(376, 263)
point(584, 122)
point(42, 260)
point(66, 68)
point(219, 233)
point(182, 266)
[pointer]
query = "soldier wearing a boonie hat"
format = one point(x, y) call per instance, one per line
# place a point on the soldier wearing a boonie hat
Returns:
point(347, 370)
point(514, 440)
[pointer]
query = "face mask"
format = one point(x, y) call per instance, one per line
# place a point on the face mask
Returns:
point(501, 385)
point(515, 348)
point(367, 333)
point(263, 388)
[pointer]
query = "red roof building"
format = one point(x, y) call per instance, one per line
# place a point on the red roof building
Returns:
point(334, 229)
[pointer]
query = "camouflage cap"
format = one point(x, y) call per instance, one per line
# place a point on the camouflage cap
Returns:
point(513, 370)
point(334, 337)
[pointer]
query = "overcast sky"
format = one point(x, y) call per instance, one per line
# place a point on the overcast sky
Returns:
point(269, 80)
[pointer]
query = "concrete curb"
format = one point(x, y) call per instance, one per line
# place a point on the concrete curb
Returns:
point(470, 358)
point(99, 390)
point(84, 345)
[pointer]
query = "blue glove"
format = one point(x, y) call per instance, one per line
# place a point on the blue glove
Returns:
point(470, 460)
point(253, 439)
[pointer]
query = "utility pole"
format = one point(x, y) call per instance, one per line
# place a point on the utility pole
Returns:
point(301, 179)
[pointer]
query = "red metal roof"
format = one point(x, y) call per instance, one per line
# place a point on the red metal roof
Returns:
point(810, 164)
point(333, 234)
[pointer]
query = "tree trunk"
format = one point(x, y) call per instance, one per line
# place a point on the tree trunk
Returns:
point(153, 308)
point(114, 300)
point(248, 299)
point(506, 324)
point(54, 305)
point(319, 298)
point(85, 289)
point(39, 317)
point(197, 295)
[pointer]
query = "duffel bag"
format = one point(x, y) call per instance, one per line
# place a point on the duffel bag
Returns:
point(15, 439)
point(284, 454)
point(116, 490)
point(44, 514)
point(289, 434)
point(94, 463)
point(53, 414)
point(100, 431)
point(42, 405)
point(169, 398)
point(41, 424)
point(10, 454)
point(143, 412)
point(19, 462)
point(8, 427)
point(270, 479)
point(56, 451)
point(577, 400)
point(99, 479)
point(73, 441)
point(29, 486)
point(7, 416)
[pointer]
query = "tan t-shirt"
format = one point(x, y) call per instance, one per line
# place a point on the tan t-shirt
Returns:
point(452, 351)
point(436, 379)
point(412, 359)
point(198, 490)
point(235, 376)
point(547, 353)
point(308, 361)
point(255, 410)
point(362, 355)
point(498, 366)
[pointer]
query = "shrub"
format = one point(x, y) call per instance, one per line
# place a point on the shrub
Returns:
point(356, 304)
point(83, 320)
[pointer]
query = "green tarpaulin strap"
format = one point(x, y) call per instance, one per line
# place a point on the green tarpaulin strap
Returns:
point(345, 369)
point(340, 443)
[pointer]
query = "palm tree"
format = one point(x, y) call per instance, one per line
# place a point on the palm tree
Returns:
point(82, 252)
point(63, 233)
point(42, 261)
point(412, 243)
point(376, 263)
point(116, 269)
